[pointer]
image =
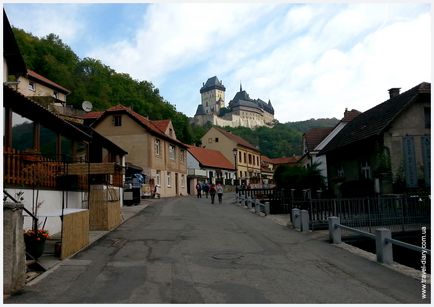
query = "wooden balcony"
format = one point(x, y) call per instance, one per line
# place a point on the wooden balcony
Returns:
point(37, 171)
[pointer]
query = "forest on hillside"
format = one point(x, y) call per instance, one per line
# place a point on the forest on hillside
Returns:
point(90, 79)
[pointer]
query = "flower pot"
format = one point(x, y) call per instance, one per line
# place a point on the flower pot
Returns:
point(34, 247)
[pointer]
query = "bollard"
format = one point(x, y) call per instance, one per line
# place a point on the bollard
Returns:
point(267, 208)
point(304, 217)
point(296, 220)
point(334, 231)
point(383, 248)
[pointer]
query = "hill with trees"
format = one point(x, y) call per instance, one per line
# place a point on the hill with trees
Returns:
point(90, 79)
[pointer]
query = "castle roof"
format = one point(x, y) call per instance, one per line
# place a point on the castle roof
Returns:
point(200, 110)
point(212, 84)
point(242, 99)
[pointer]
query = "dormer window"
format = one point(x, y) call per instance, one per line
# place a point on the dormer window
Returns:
point(117, 120)
point(32, 86)
point(170, 132)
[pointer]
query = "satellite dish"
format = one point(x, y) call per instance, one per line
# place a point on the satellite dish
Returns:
point(87, 106)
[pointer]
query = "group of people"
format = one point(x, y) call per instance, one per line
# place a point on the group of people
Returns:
point(210, 189)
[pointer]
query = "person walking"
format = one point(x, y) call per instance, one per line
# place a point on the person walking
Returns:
point(219, 190)
point(206, 189)
point(199, 190)
point(212, 191)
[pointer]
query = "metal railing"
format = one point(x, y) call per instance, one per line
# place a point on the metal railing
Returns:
point(383, 240)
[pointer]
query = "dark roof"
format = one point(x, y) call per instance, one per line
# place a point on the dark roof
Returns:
point(235, 138)
point(144, 122)
point(242, 99)
point(28, 108)
point(200, 110)
point(376, 120)
point(210, 158)
point(11, 52)
point(212, 84)
point(315, 136)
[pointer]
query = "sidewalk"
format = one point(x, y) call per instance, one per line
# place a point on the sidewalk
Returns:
point(49, 262)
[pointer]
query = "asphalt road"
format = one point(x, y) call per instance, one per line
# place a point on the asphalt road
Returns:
point(185, 250)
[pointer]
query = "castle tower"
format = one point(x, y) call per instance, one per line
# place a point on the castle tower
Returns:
point(213, 96)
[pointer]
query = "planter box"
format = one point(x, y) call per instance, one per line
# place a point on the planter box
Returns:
point(104, 209)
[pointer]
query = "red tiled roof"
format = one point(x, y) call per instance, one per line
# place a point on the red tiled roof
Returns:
point(286, 160)
point(266, 159)
point(350, 115)
point(162, 124)
point(315, 136)
point(237, 139)
point(95, 114)
point(37, 76)
point(143, 121)
point(210, 158)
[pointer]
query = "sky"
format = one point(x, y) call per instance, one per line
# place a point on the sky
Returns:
point(311, 60)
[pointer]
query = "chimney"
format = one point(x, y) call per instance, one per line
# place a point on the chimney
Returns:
point(394, 91)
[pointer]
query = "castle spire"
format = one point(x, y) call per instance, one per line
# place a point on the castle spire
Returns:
point(241, 87)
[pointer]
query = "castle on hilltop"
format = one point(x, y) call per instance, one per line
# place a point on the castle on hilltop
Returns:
point(241, 111)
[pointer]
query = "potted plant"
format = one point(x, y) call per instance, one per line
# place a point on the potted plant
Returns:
point(35, 242)
point(34, 238)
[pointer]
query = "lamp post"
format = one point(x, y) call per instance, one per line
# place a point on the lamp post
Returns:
point(235, 152)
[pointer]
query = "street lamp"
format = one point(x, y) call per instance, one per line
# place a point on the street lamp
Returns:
point(235, 152)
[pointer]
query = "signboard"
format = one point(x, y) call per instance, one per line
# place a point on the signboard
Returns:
point(426, 155)
point(409, 162)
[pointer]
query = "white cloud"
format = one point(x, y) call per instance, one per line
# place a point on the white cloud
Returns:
point(173, 36)
point(62, 20)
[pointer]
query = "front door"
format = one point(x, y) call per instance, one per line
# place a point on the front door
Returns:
point(176, 184)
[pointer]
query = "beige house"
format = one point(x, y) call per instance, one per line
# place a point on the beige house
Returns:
point(33, 84)
point(152, 145)
point(246, 157)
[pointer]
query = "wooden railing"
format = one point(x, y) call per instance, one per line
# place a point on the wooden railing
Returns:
point(22, 169)
point(34, 170)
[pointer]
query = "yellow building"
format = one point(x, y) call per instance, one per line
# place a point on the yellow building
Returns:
point(246, 157)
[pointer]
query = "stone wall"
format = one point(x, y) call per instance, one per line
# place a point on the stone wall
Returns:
point(14, 259)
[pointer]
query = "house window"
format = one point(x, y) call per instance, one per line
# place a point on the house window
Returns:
point(172, 152)
point(171, 132)
point(245, 174)
point(182, 181)
point(157, 147)
point(239, 156)
point(117, 120)
point(257, 160)
point(182, 155)
point(427, 113)
point(158, 178)
point(55, 94)
point(366, 170)
point(250, 159)
point(216, 140)
point(32, 86)
point(169, 179)
point(209, 140)
point(245, 158)
point(241, 174)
